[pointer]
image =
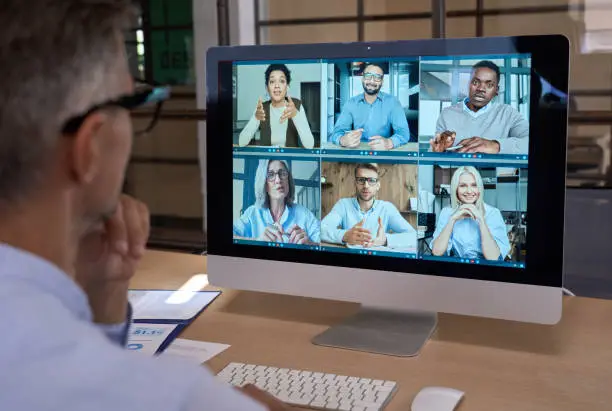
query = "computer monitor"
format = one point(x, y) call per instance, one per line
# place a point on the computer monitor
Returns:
point(398, 175)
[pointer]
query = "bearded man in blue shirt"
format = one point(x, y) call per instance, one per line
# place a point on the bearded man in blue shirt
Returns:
point(373, 117)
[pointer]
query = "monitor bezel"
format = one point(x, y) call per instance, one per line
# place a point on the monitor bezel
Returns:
point(546, 164)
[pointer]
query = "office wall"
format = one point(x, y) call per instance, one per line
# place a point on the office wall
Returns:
point(164, 171)
point(588, 70)
point(588, 240)
point(590, 151)
point(168, 170)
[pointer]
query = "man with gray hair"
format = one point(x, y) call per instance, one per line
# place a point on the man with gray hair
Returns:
point(69, 241)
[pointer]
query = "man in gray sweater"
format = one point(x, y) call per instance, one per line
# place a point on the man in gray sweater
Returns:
point(476, 125)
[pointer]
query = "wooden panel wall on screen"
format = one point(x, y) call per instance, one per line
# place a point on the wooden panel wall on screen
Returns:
point(398, 183)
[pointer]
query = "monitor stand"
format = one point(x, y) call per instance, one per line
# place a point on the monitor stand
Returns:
point(381, 331)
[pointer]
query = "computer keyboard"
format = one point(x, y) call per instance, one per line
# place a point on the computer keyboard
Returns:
point(314, 390)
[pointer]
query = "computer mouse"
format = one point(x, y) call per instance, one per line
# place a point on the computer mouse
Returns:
point(436, 399)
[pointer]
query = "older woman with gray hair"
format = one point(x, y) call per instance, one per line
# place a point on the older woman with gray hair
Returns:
point(275, 216)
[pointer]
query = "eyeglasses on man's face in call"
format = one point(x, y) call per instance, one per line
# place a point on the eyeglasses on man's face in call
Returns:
point(282, 174)
point(373, 76)
point(370, 180)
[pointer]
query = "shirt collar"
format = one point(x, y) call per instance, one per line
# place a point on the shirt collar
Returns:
point(379, 97)
point(283, 219)
point(356, 205)
point(20, 265)
point(475, 113)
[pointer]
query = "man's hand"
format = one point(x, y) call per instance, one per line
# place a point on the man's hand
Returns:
point(108, 257)
point(442, 141)
point(479, 145)
point(357, 235)
point(290, 110)
point(381, 237)
point(351, 139)
point(297, 235)
point(380, 143)
point(265, 398)
point(260, 114)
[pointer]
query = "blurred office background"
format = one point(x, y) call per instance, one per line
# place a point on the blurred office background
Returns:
point(446, 82)
point(168, 44)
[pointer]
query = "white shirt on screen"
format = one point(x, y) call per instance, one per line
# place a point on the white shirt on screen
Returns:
point(278, 129)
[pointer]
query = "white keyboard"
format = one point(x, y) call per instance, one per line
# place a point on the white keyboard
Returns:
point(314, 390)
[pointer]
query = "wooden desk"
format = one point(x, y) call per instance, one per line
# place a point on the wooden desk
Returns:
point(500, 365)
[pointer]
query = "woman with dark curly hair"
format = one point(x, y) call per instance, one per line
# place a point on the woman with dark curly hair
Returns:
point(281, 120)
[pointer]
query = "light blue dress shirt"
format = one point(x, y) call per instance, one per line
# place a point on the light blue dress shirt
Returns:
point(253, 222)
point(384, 117)
point(346, 213)
point(53, 358)
point(465, 239)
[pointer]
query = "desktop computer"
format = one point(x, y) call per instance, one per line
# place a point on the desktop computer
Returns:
point(398, 175)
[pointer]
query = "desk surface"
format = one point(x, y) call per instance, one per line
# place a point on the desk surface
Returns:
point(500, 365)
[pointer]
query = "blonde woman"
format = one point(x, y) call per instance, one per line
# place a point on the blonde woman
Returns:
point(470, 228)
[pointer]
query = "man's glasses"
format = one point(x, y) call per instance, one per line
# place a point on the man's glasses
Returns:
point(373, 76)
point(282, 174)
point(362, 180)
point(144, 95)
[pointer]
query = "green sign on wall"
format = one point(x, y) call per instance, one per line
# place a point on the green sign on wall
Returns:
point(172, 41)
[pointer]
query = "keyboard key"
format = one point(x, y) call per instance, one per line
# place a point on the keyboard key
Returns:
point(313, 390)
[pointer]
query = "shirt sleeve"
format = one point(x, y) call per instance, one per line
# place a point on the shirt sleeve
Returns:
point(441, 123)
point(401, 132)
point(213, 395)
point(118, 333)
point(330, 232)
point(344, 123)
point(247, 133)
point(303, 128)
point(442, 222)
point(518, 138)
point(242, 225)
point(497, 227)
point(404, 235)
point(313, 227)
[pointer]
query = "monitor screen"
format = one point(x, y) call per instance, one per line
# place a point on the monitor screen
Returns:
point(418, 158)
point(411, 157)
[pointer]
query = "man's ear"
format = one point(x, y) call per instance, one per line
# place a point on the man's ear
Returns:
point(86, 155)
